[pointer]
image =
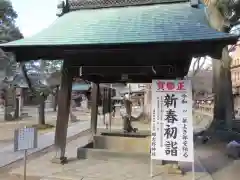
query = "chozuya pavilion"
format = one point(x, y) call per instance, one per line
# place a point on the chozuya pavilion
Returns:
point(120, 41)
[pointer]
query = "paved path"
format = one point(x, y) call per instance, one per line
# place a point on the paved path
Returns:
point(230, 171)
point(119, 169)
point(7, 155)
point(7, 127)
point(216, 162)
point(91, 169)
point(124, 169)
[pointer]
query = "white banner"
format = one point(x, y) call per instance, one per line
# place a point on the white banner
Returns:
point(172, 127)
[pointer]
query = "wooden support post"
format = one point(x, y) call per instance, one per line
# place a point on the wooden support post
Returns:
point(110, 107)
point(63, 113)
point(94, 110)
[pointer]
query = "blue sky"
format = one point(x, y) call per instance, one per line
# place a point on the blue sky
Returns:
point(34, 15)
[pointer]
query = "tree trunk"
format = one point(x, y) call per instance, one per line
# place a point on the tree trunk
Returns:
point(222, 87)
point(227, 93)
point(222, 84)
point(41, 111)
point(218, 103)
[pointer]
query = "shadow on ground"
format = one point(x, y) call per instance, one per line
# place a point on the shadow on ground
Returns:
point(213, 157)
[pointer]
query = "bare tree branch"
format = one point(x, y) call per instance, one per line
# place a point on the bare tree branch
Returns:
point(198, 65)
point(24, 71)
point(203, 63)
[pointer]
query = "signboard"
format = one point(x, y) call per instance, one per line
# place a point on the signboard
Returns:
point(25, 138)
point(172, 127)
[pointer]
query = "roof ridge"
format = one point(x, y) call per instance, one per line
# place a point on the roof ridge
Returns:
point(73, 5)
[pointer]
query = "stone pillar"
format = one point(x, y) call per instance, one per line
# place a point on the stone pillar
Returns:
point(84, 103)
point(63, 113)
point(17, 111)
point(49, 101)
point(19, 104)
point(10, 100)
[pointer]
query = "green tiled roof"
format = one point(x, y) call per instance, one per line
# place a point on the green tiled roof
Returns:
point(135, 24)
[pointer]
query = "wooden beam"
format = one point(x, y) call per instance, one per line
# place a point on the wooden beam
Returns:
point(119, 70)
point(122, 54)
point(131, 78)
point(113, 74)
point(63, 112)
point(94, 110)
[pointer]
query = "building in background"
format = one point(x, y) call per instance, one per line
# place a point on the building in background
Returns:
point(235, 75)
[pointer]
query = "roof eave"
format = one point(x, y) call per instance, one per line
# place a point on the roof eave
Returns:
point(10, 47)
point(52, 51)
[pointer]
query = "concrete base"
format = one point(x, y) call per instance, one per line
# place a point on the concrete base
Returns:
point(88, 152)
point(131, 146)
point(62, 160)
point(103, 154)
point(141, 144)
point(117, 144)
